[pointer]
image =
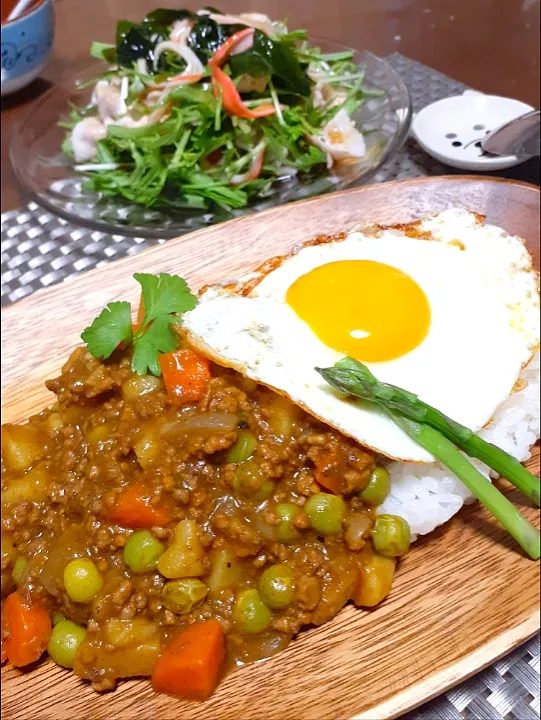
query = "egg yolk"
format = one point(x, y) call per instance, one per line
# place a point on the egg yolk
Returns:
point(365, 309)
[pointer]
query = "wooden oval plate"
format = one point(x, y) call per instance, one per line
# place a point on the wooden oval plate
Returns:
point(463, 596)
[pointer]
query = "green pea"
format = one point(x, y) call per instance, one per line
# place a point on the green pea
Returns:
point(18, 569)
point(65, 641)
point(243, 449)
point(82, 580)
point(182, 596)
point(276, 586)
point(378, 487)
point(287, 512)
point(142, 551)
point(57, 617)
point(265, 491)
point(250, 612)
point(391, 535)
point(326, 512)
point(249, 481)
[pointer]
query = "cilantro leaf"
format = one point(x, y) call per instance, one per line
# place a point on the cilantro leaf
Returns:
point(157, 339)
point(164, 294)
point(112, 326)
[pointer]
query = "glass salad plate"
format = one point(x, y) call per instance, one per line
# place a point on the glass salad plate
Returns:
point(49, 175)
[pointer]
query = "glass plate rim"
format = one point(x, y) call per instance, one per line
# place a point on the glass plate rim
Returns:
point(69, 81)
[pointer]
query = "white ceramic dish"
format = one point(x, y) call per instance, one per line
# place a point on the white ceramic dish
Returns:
point(451, 129)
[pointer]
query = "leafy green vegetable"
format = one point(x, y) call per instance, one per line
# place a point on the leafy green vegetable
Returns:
point(165, 298)
point(161, 19)
point(112, 327)
point(207, 36)
point(269, 56)
point(159, 338)
point(164, 294)
point(103, 51)
point(183, 146)
point(133, 43)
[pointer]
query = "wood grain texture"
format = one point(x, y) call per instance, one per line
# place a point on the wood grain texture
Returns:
point(463, 596)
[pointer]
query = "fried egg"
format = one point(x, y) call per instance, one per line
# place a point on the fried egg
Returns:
point(447, 308)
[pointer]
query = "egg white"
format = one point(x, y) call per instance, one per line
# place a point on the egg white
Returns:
point(484, 327)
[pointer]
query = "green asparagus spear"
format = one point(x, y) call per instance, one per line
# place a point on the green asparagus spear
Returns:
point(351, 376)
point(513, 521)
point(344, 376)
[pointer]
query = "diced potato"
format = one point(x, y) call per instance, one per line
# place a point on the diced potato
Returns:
point(137, 658)
point(126, 633)
point(147, 446)
point(225, 570)
point(185, 555)
point(99, 437)
point(74, 415)
point(139, 385)
point(54, 423)
point(337, 588)
point(376, 575)
point(22, 446)
point(33, 487)
point(283, 417)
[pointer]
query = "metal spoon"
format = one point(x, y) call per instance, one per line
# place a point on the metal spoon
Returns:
point(520, 137)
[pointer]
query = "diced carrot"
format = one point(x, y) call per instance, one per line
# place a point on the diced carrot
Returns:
point(327, 472)
point(26, 627)
point(133, 509)
point(190, 667)
point(185, 375)
point(4, 655)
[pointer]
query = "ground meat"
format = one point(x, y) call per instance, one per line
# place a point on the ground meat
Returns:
point(308, 592)
point(104, 437)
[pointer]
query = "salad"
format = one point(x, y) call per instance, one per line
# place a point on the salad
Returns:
point(204, 109)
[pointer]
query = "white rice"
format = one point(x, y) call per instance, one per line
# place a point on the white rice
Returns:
point(427, 495)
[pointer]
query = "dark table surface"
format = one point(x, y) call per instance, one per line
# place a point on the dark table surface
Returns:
point(491, 45)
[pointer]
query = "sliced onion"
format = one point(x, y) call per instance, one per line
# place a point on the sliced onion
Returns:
point(194, 65)
point(181, 31)
point(213, 422)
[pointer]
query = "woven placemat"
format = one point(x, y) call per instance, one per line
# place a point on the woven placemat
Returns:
point(40, 249)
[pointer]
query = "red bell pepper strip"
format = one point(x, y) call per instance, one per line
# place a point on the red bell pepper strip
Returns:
point(224, 86)
point(232, 101)
point(224, 51)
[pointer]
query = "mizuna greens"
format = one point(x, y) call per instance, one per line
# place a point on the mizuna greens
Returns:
point(441, 436)
point(199, 110)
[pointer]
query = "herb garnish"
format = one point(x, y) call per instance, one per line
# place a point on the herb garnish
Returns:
point(165, 297)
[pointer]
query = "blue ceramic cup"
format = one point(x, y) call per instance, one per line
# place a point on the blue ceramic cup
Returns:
point(26, 45)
